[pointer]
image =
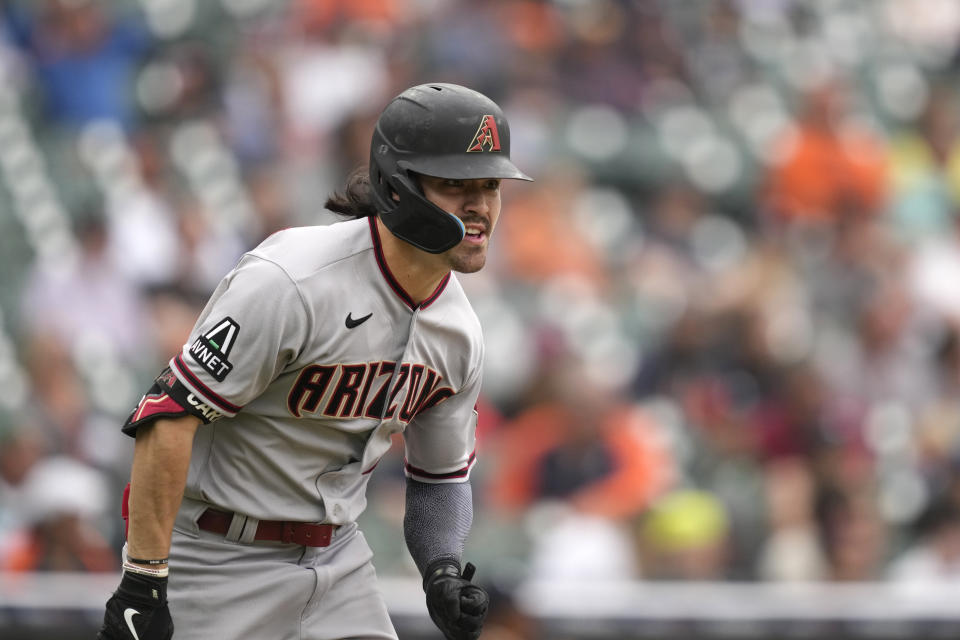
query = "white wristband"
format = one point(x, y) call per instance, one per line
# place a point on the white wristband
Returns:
point(146, 571)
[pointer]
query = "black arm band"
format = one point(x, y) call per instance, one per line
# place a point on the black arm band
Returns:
point(168, 398)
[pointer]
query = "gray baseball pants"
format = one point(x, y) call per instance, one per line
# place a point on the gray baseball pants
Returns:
point(272, 590)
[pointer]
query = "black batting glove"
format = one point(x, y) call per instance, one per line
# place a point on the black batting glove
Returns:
point(457, 606)
point(137, 610)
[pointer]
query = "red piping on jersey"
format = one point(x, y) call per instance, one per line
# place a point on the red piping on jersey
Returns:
point(214, 399)
point(436, 292)
point(459, 473)
point(388, 275)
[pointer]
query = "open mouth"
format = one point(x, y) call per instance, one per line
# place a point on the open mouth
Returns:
point(474, 234)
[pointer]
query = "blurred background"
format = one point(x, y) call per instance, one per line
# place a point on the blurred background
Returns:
point(722, 326)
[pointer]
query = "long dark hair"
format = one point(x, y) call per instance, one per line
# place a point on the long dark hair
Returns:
point(356, 199)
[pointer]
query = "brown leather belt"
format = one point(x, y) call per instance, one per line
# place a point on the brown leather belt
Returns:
point(303, 533)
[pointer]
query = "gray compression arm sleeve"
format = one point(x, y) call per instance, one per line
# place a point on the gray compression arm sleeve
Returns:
point(437, 521)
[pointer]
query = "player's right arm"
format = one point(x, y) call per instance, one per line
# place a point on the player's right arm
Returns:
point(161, 459)
point(163, 423)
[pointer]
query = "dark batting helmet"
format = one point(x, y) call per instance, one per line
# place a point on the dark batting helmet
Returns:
point(440, 130)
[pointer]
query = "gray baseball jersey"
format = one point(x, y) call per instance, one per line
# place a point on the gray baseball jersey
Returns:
point(315, 357)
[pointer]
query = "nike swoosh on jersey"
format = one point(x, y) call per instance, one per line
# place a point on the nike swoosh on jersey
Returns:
point(128, 616)
point(351, 323)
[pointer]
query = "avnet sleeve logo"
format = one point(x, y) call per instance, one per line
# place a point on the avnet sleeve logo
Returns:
point(211, 349)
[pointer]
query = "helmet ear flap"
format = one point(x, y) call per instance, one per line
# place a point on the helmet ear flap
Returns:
point(418, 221)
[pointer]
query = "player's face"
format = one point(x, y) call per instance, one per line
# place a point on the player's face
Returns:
point(477, 204)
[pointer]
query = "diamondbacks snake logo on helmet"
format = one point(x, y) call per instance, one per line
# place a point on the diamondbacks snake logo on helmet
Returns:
point(487, 137)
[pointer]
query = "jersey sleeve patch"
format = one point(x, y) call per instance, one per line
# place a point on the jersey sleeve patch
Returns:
point(211, 350)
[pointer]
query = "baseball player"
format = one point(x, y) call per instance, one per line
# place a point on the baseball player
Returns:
point(254, 448)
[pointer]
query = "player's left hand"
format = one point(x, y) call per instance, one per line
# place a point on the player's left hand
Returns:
point(457, 606)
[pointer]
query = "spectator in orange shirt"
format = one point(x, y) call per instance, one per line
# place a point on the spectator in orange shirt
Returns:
point(829, 169)
point(582, 445)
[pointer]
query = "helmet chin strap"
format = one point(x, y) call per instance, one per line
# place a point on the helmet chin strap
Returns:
point(418, 221)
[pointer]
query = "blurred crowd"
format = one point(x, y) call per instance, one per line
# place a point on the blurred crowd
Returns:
point(723, 325)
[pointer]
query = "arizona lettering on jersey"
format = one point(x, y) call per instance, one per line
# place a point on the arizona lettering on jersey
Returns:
point(362, 390)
